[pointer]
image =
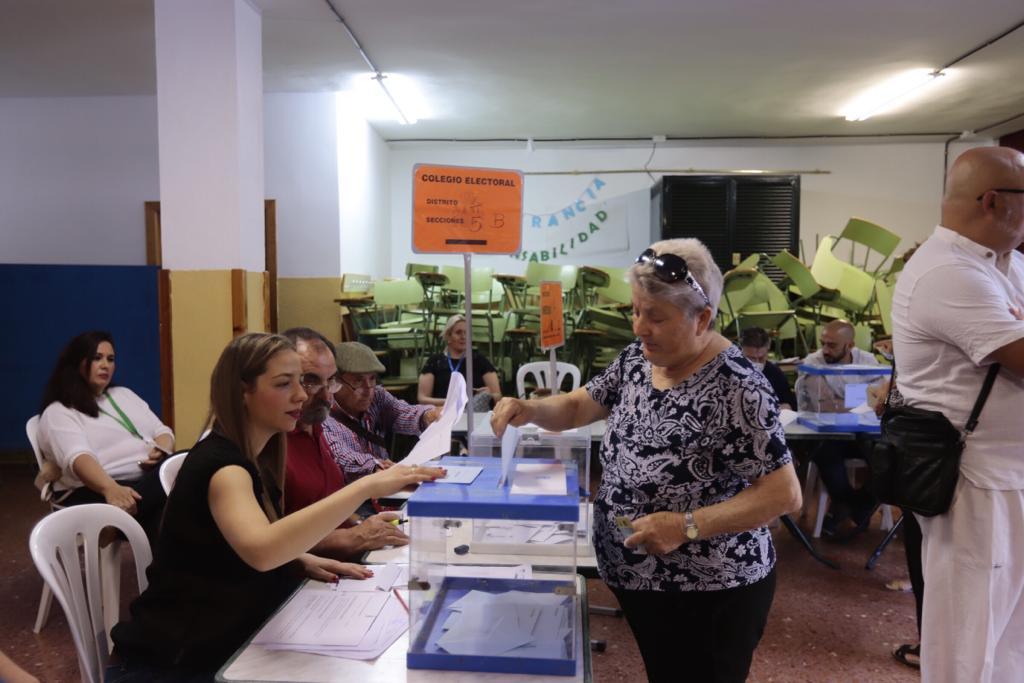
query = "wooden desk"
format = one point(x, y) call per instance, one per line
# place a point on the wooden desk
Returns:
point(253, 664)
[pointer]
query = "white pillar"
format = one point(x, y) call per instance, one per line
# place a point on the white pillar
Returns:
point(210, 111)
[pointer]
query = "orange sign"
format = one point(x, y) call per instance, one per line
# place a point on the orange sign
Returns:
point(552, 324)
point(457, 209)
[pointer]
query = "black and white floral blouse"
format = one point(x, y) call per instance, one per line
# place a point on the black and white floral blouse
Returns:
point(699, 443)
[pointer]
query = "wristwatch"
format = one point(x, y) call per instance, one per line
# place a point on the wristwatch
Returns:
point(690, 524)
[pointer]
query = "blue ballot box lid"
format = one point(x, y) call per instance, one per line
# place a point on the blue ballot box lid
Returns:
point(484, 499)
point(840, 369)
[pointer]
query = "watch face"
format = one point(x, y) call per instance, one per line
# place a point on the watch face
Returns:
point(691, 533)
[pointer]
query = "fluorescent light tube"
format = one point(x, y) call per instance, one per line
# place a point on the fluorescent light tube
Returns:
point(890, 94)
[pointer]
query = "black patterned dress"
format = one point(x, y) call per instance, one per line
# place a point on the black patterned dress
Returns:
point(699, 443)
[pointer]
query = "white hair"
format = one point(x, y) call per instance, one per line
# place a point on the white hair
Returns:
point(700, 265)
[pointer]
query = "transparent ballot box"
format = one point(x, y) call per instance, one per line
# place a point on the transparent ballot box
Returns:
point(834, 398)
point(478, 599)
point(535, 442)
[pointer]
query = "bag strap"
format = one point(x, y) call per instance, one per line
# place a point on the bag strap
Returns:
point(986, 387)
point(360, 430)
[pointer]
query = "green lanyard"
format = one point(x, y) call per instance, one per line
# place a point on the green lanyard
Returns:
point(123, 419)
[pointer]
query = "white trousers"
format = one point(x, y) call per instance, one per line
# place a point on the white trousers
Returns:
point(973, 621)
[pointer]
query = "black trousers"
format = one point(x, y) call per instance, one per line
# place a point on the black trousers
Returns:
point(706, 636)
point(912, 546)
point(149, 510)
point(831, 457)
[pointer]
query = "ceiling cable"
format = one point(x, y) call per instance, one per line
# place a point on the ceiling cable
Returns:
point(378, 75)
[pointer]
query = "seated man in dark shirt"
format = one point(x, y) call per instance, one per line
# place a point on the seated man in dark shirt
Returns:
point(754, 342)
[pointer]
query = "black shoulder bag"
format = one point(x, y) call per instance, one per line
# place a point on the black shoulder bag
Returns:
point(915, 463)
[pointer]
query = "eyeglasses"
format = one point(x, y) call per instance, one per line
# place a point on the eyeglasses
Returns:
point(672, 268)
point(366, 383)
point(312, 384)
point(1011, 190)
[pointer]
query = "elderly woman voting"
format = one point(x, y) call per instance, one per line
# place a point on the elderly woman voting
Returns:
point(103, 441)
point(694, 463)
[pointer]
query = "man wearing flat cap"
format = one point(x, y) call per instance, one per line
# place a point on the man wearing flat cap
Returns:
point(365, 414)
point(311, 472)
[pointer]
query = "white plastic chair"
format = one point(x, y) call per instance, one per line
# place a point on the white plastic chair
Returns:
point(169, 470)
point(823, 498)
point(46, 599)
point(56, 543)
point(540, 372)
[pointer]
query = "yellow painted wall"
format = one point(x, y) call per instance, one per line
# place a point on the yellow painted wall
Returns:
point(254, 282)
point(200, 329)
point(309, 301)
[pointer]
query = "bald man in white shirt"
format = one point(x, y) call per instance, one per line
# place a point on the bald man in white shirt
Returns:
point(956, 310)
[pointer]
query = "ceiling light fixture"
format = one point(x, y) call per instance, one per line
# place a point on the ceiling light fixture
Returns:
point(891, 93)
point(378, 75)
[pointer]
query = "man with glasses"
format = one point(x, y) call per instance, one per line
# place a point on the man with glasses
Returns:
point(956, 311)
point(365, 414)
point(311, 472)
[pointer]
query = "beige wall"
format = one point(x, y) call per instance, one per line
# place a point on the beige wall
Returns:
point(255, 297)
point(309, 301)
point(200, 329)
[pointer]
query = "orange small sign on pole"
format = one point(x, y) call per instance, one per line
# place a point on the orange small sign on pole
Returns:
point(462, 210)
point(552, 324)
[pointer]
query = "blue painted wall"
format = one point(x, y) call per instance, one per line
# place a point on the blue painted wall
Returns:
point(44, 306)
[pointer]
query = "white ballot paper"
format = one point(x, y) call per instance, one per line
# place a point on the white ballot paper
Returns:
point(509, 443)
point(787, 416)
point(459, 475)
point(513, 624)
point(436, 440)
point(541, 479)
point(358, 620)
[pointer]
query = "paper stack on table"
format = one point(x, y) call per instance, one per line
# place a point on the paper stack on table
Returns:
point(357, 620)
point(500, 531)
point(436, 440)
point(512, 624)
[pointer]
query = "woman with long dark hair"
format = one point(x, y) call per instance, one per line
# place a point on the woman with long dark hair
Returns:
point(226, 557)
point(103, 440)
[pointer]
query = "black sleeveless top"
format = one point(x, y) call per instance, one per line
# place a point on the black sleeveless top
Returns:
point(203, 601)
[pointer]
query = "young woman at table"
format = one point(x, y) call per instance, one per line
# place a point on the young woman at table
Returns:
point(438, 370)
point(102, 442)
point(226, 557)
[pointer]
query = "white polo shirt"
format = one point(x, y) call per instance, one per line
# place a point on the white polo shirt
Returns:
point(950, 311)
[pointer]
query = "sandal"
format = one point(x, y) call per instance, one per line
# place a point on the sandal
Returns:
point(899, 585)
point(908, 654)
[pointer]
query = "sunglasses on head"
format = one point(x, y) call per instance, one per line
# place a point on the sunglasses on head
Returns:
point(672, 268)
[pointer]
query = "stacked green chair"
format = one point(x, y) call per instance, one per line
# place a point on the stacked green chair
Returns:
point(751, 299)
point(855, 287)
point(400, 326)
point(873, 237)
point(807, 295)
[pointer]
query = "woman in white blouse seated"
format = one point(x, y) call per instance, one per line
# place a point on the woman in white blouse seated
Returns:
point(105, 440)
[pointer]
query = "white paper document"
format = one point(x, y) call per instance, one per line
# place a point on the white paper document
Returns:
point(787, 417)
point(509, 443)
point(539, 479)
point(436, 440)
point(513, 624)
point(521, 571)
point(862, 409)
point(385, 577)
point(459, 475)
point(342, 623)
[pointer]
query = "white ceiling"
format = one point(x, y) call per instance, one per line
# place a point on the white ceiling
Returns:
point(576, 68)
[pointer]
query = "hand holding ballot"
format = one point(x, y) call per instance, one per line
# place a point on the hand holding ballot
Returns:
point(511, 411)
point(385, 482)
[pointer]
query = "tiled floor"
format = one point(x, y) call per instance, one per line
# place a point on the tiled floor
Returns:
point(825, 625)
